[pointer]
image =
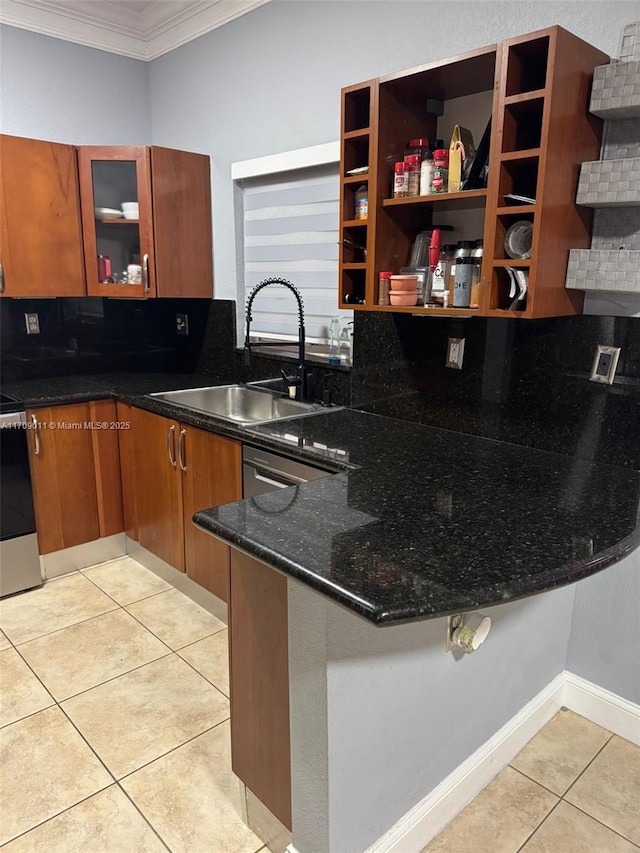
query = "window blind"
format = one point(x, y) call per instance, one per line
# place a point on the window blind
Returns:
point(291, 223)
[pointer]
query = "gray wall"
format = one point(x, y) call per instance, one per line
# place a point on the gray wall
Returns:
point(270, 81)
point(604, 634)
point(394, 713)
point(64, 92)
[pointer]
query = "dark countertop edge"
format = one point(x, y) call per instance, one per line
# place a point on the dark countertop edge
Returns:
point(563, 576)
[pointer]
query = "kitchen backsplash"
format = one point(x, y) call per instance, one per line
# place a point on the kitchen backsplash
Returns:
point(525, 382)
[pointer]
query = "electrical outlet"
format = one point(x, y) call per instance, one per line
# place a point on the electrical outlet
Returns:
point(32, 322)
point(182, 324)
point(455, 353)
point(604, 364)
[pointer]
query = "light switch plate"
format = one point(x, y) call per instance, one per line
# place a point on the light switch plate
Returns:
point(604, 364)
point(455, 353)
point(32, 322)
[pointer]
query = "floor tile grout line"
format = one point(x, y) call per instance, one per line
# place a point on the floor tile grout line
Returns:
point(57, 814)
point(580, 775)
point(143, 816)
point(535, 781)
point(133, 616)
point(70, 625)
point(112, 775)
point(540, 825)
point(212, 683)
point(144, 597)
point(115, 677)
point(173, 749)
point(26, 717)
point(597, 820)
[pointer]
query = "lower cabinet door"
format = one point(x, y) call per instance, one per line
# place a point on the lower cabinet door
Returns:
point(212, 475)
point(61, 457)
point(75, 471)
point(158, 486)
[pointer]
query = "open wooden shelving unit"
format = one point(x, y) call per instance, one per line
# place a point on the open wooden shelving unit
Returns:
point(541, 131)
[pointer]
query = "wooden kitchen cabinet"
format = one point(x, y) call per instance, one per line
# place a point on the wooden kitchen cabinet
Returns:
point(259, 682)
point(178, 470)
point(535, 90)
point(40, 230)
point(170, 239)
point(75, 471)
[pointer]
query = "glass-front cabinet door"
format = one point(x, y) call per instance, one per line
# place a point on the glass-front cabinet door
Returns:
point(115, 191)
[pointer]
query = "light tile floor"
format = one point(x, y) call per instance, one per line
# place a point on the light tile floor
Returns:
point(114, 720)
point(574, 788)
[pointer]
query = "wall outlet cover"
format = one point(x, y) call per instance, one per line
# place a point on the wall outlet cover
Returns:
point(455, 353)
point(604, 364)
point(32, 323)
point(182, 324)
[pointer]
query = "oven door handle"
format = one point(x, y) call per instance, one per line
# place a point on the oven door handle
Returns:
point(283, 481)
point(36, 435)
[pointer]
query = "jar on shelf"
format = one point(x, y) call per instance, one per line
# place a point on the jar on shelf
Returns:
point(440, 275)
point(412, 168)
point(419, 146)
point(463, 249)
point(426, 173)
point(384, 286)
point(400, 180)
point(462, 286)
point(440, 174)
point(362, 202)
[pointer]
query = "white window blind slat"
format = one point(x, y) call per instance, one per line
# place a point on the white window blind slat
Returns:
point(291, 229)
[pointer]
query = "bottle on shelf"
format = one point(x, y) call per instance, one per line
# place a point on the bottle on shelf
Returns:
point(400, 180)
point(440, 173)
point(462, 286)
point(362, 202)
point(345, 344)
point(440, 276)
point(476, 278)
point(334, 341)
point(462, 250)
point(426, 173)
point(412, 168)
point(384, 286)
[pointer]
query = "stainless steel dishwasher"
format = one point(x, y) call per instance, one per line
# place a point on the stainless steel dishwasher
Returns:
point(263, 472)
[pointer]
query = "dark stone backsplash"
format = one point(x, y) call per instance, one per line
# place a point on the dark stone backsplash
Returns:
point(524, 382)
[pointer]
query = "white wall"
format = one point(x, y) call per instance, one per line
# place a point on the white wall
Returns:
point(380, 716)
point(270, 81)
point(603, 647)
point(53, 89)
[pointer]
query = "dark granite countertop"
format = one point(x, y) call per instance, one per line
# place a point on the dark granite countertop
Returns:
point(419, 521)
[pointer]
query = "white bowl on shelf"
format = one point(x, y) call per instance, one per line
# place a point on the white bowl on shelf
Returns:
point(107, 213)
point(130, 209)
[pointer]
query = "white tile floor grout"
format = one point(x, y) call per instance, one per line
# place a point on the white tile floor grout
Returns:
point(173, 713)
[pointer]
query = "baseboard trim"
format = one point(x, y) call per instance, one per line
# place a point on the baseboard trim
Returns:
point(420, 825)
point(178, 580)
point(58, 563)
point(603, 707)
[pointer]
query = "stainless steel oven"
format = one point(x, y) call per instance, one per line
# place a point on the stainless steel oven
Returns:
point(19, 559)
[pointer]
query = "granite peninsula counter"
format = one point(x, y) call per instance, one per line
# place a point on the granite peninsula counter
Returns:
point(428, 522)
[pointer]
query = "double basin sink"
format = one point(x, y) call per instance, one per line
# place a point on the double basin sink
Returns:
point(240, 404)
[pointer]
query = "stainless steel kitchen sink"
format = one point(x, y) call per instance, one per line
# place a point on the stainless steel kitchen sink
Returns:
point(240, 404)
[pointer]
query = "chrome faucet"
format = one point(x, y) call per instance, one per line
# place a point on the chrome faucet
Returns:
point(300, 380)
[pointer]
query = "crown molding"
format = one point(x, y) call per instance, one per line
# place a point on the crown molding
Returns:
point(80, 28)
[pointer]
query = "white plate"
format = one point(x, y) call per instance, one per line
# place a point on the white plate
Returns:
point(517, 240)
point(107, 213)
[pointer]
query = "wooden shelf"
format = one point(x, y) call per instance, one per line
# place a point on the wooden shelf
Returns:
point(351, 223)
point(122, 221)
point(468, 198)
point(354, 266)
point(522, 97)
point(527, 154)
point(355, 179)
point(430, 310)
point(357, 134)
point(515, 209)
point(512, 262)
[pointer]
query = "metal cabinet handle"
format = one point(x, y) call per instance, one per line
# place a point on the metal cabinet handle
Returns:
point(181, 460)
point(171, 445)
point(145, 273)
point(36, 435)
point(1, 279)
